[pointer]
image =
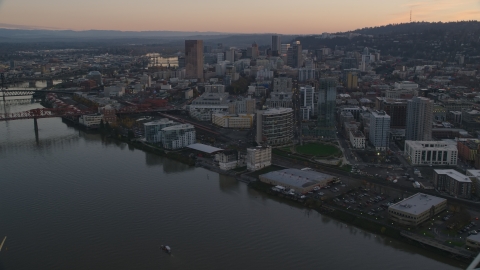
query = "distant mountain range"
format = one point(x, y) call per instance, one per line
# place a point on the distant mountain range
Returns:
point(416, 27)
point(9, 35)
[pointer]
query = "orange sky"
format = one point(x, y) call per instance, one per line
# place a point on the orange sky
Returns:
point(246, 16)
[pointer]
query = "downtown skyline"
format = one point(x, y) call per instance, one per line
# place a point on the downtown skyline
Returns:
point(248, 16)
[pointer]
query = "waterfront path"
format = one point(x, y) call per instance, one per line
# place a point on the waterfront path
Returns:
point(431, 242)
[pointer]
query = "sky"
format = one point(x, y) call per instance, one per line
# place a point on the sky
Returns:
point(244, 16)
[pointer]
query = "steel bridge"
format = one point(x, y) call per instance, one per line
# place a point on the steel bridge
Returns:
point(27, 92)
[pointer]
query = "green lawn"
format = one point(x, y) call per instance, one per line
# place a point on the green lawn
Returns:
point(318, 149)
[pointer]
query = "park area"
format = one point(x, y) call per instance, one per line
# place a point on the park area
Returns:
point(318, 150)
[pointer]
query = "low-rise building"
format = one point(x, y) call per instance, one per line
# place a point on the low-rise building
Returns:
point(178, 136)
point(90, 120)
point(298, 180)
point(416, 209)
point(454, 183)
point(357, 139)
point(109, 114)
point(228, 159)
point(435, 153)
point(259, 157)
point(473, 241)
point(240, 121)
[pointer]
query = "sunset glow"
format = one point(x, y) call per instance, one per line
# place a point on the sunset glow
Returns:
point(247, 16)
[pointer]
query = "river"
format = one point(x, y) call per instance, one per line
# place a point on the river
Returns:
point(77, 201)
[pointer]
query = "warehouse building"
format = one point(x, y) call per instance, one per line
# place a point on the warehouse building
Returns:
point(416, 209)
point(298, 180)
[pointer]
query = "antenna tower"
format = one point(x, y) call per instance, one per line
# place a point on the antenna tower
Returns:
point(410, 15)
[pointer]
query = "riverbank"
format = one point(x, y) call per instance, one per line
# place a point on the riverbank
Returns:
point(319, 206)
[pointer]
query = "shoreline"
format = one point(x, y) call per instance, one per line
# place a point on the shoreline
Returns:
point(327, 210)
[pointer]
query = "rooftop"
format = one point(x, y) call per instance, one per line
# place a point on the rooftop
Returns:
point(432, 144)
point(460, 177)
point(277, 111)
point(204, 148)
point(474, 237)
point(417, 203)
point(298, 178)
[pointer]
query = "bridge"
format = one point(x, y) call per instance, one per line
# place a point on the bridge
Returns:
point(28, 92)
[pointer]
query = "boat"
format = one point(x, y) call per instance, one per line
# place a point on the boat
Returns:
point(167, 249)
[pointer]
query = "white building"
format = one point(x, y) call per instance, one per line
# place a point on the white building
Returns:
point(379, 129)
point(406, 85)
point(309, 99)
point(259, 157)
point(435, 153)
point(153, 129)
point(357, 139)
point(90, 120)
point(240, 121)
point(114, 91)
point(416, 209)
point(228, 160)
point(178, 136)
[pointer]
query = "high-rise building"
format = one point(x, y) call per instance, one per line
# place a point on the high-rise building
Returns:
point(230, 55)
point(327, 101)
point(284, 48)
point(379, 129)
point(308, 101)
point(276, 45)
point(419, 119)
point(294, 55)
point(194, 59)
point(255, 52)
point(220, 57)
point(275, 126)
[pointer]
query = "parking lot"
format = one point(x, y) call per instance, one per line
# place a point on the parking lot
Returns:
point(365, 202)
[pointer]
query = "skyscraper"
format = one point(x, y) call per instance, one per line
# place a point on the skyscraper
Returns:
point(276, 45)
point(194, 59)
point(327, 101)
point(294, 55)
point(379, 129)
point(255, 52)
point(419, 119)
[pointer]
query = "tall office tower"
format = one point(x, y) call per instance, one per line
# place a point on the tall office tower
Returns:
point(276, 45)
point(419, 119)
point(294, 55)
point(230, 55)
point(379, 129)
point(327, 101)
point(284, 48)
point(194, 59)
point(220, 57)
point(255, 52)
